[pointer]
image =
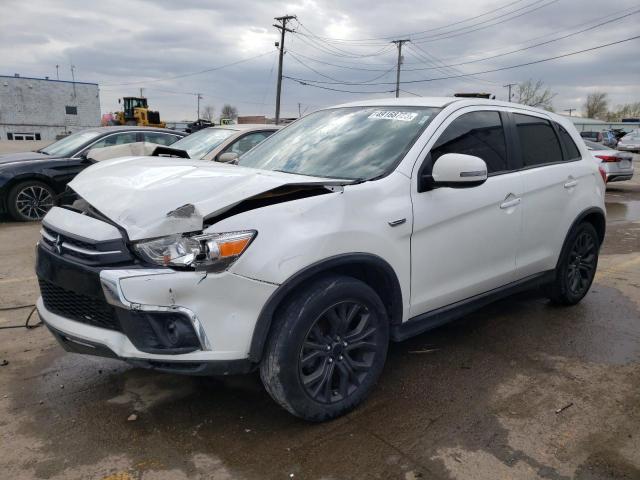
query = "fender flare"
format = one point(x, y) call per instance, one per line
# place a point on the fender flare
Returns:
point(265, 319)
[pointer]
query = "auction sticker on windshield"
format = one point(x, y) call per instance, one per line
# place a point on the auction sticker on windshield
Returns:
point(391, 115)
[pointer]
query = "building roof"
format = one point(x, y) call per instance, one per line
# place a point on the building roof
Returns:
point(46, 80)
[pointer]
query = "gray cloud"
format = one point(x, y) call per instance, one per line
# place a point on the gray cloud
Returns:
point(123, 41)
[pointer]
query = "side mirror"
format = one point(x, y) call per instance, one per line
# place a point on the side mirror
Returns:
point(227, 157)
point(455, 170)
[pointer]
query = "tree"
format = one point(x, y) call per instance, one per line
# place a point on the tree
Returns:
point(628, 110)
point(207, 113)
point(596, 105)
point(229, 111)
point(535, 94)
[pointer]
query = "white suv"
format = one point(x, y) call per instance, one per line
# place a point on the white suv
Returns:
point(356, 225)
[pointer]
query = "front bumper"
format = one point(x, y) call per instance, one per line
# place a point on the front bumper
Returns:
point(222, 308)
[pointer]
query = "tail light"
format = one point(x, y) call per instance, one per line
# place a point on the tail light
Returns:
point(603, 174)
point(608, 158)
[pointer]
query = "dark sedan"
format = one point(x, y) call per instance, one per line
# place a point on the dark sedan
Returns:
point(31, 182)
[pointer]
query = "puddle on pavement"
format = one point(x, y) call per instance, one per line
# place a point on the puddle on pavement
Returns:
point(623, 211)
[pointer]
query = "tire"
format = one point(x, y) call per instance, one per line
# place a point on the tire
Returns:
point(576, 267)
point(30, 200)
point(312, 366)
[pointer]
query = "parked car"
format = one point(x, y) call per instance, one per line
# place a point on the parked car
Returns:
point(592, 136)
point(224, 143)
point(353, 226)
point(617, 165)
point(31, 181)
point(630, 142)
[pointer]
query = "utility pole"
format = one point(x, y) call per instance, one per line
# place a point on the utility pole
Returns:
point(199, 96)
point(282, 26)
point(509, 85)
point(570, 110)
point(141, 94)
point(73, 79)
point(299, 114)
point(399, 45)
point(57, 73)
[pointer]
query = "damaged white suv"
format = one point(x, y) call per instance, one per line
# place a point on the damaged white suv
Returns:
point(354, 226)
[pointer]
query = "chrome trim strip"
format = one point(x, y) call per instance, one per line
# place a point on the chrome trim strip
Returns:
point(110, 280)
point(84, 251)
point(46, 236)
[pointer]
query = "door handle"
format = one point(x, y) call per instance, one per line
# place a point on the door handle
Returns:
point(510, 203)
point(571, 183)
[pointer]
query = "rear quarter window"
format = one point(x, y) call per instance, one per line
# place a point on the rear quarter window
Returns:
point(538, 141)
point(570, 148)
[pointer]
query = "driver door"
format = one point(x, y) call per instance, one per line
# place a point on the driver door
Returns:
point(464, 239)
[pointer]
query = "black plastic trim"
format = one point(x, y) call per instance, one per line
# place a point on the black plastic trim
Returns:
point(200, 368)
point(263, 324)
point(435, 318)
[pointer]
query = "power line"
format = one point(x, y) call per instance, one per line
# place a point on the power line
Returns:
point(333, 78)
point(387, 38)
point(534, 62)
point(305, 83)
point(530, 46)
point(212, 69)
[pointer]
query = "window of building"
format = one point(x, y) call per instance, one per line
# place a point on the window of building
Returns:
point(538, 141)
point(23, 136)
point(71, 110)
point(477, 133)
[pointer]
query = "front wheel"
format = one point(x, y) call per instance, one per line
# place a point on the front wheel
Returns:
point(327, 348)
point(577, 266)
point(30, 200)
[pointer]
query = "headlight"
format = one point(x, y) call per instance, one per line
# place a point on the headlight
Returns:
point(212, 252)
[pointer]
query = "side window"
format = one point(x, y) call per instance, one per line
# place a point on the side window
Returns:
point(569, 145)
point(117, 139)
point(476, 133)
point(538, 141)
point(160, 138)
point(247, 142)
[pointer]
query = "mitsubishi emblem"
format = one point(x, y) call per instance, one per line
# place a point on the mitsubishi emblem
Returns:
point(57, 244)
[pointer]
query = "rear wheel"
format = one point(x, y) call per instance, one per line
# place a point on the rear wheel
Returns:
point(577, 266)
point(30, 200)
point(327, 349)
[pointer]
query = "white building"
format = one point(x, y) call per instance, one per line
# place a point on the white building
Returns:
point(44, 109)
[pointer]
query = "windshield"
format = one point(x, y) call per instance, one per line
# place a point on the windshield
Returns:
point(198, 144)
point(70, 145)
point(631, 137)
point(355, 143)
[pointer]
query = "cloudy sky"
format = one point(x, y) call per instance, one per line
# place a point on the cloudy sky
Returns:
point(125, 45)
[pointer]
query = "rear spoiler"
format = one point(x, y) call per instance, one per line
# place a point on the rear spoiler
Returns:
point(162, 151)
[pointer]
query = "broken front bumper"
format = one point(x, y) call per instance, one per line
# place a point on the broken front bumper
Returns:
point(124, 313)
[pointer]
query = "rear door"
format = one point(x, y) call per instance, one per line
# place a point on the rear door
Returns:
point(464, 239)
point(553, 185)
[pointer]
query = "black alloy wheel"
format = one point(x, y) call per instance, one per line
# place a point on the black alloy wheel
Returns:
point(582, 263)
point(576, 267)
point(338, 352)
point(30, 201)
point(327, 348)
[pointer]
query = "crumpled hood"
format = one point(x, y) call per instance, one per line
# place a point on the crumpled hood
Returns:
point(22, 157)
point(156, 196)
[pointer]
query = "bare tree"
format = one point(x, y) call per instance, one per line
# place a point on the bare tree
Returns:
point(534, 94)
point(207, 113)
point(596, 105)
point(229, 111)
point(628, 110)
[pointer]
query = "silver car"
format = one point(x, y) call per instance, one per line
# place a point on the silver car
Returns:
point(617, 165)
point(630, 142)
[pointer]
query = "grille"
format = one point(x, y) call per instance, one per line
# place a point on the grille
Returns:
point(111, 252)
point(82, 308)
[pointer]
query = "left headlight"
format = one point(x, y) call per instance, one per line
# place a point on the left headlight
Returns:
point(213, 252)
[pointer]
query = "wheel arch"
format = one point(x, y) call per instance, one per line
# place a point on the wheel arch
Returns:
point(596, 217)
point(369, 268)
